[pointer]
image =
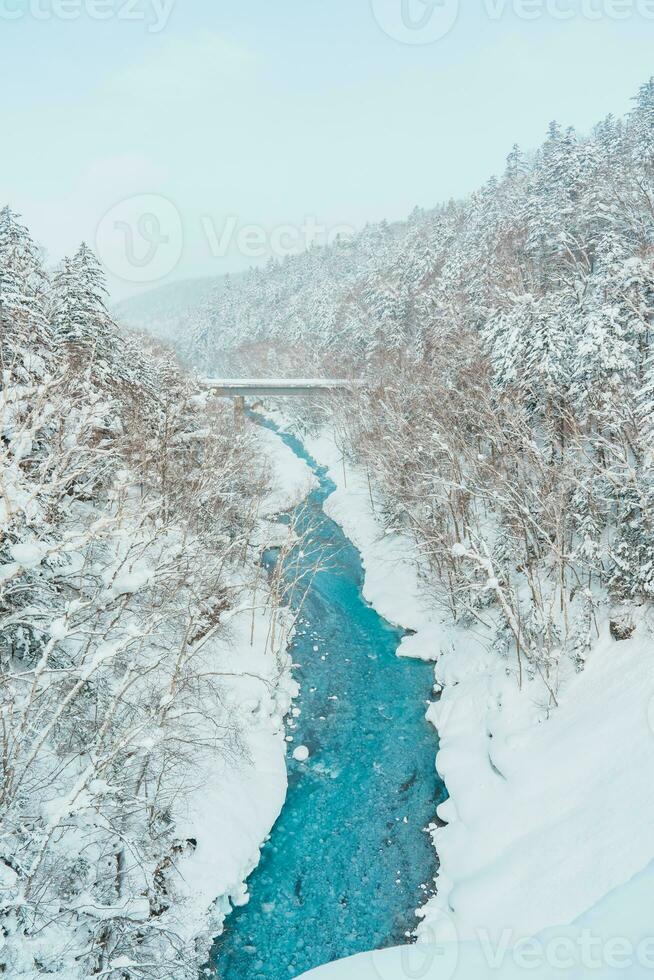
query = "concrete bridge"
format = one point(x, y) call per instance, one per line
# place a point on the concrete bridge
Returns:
point(265, 387)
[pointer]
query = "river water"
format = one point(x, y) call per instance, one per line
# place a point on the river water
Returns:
point(348, 861)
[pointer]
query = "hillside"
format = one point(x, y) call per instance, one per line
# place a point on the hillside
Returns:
point(555, 229)
point(143, 664)
point(166, 311)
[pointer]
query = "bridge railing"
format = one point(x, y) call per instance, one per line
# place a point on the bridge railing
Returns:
point(239, 387)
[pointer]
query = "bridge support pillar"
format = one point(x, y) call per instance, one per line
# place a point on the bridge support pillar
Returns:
point(239, 409)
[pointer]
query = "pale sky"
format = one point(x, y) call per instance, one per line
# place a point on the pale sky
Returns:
point(213, 115)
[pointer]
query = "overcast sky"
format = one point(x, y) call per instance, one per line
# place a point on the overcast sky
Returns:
point(191, 139)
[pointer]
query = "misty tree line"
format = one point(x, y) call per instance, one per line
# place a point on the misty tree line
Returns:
point(126, 507)
point(508, 342)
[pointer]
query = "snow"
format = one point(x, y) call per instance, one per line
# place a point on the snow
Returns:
point(29, 554)
point(234, 808)
point(128, 581)
point(544, 819)
point(58, 629)
point(392, 579)
point(291, 478)
point(229, 796)
point(538, 831)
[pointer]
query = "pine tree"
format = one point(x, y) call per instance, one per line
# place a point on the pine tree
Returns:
point(79, 313)
point(82, 324)
point(642, 120)
point(24, 328)
point(515, 164)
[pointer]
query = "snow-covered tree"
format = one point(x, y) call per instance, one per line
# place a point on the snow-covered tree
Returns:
point(24, 329)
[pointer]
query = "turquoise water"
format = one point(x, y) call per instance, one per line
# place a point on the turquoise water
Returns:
point(348, 860)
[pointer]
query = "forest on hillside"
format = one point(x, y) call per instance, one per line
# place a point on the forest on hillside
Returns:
point(128, 502)
point(507, 341)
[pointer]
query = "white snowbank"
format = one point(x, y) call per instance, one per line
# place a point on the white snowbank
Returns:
point(392, 584)
point(233, 809)
point(547, 815)
point(291, 478)
point(235, 806)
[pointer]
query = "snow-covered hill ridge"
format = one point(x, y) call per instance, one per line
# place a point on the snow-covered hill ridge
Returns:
point(545, 816)
point(507, 424)
point(571, 216)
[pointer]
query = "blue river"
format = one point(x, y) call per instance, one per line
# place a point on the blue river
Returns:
point(349, 860)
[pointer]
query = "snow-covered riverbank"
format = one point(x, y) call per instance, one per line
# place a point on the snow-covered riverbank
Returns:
point(233, 809)
point(538, 832)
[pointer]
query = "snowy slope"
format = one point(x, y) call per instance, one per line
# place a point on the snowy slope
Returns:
point(166, 311)
point(546, 815)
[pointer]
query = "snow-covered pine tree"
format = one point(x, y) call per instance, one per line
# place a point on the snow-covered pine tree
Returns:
point(79, 313)
point(83, 327)
point(25, 335)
